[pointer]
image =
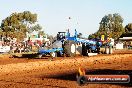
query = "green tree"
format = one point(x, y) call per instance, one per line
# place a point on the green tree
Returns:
point(41, 33)
point(36, 27)
point(128, 28)
point(91, 36)
point(111, 25)
point(19, 22)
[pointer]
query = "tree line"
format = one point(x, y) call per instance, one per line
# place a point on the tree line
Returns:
point(112, 25)
point(17, 24)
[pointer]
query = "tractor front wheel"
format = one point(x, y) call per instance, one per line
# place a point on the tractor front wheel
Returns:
point(40, 56)
point(53, 54)
point(70, 48)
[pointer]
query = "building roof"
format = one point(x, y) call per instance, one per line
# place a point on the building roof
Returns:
point(126, 35)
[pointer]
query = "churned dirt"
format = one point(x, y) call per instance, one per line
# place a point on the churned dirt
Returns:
point(61, 72)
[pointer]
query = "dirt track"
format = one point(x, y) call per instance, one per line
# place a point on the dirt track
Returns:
point(60, 73)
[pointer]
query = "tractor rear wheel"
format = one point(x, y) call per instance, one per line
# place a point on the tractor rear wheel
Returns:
point(69, 48)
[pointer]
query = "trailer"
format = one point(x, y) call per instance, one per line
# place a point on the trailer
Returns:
point(52, 52)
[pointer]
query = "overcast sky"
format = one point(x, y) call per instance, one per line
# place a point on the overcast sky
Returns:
point(53, 14)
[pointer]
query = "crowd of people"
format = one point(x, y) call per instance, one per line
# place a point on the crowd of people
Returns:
point(23, 46)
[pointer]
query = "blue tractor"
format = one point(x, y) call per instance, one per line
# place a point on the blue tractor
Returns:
point(66, 45)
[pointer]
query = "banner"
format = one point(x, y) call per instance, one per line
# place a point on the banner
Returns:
point(102, 37)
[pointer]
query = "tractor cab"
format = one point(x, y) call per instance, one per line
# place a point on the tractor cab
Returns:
point(61, 35)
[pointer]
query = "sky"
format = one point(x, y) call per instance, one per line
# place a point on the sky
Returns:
point(53, 14)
